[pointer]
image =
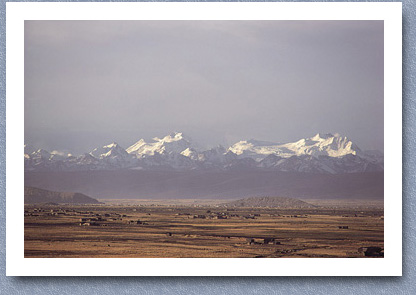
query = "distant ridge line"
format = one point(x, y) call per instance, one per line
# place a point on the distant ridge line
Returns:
point(35, 195)
point(322, 153)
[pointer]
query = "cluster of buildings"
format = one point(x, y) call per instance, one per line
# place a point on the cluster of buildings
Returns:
point(52, 212)
point(262, 241)
point(97, 219)
point(219, 215)
point(138, 221)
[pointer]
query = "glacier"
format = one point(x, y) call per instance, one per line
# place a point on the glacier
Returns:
point(322, 153)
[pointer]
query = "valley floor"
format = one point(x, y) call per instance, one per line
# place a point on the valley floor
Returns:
point(199, 231)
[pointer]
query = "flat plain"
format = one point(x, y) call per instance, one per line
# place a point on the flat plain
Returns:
point(193, 230)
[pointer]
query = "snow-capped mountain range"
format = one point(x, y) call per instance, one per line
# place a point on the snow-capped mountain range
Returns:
point(322, 153)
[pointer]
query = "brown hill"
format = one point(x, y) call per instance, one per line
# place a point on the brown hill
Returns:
point(35, 195)
point(271, 202)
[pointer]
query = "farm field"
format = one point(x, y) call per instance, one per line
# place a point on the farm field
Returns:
point(197, 231)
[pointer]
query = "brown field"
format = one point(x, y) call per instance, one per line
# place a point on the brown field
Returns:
point(172, 231)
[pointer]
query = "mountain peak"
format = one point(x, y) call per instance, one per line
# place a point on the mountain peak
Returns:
point(324, 152)
point(189, 152)
point(112, 145)
point(175, 142)
point(136, 146)
point(323, 136)
point(175, 136)
point(110, 150)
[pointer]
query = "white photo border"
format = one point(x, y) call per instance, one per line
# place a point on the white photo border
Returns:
point(18, 12)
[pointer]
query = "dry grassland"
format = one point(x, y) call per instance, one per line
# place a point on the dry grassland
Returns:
point(172, 231)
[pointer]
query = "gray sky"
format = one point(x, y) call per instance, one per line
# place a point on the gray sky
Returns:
point(89, 83)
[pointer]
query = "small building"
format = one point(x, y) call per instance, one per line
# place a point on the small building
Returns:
point(271, 241)
point(220, 217)
point(199, 216)
point(262, 241)
point(136, 222)
point(250, 241)
point(92, 223)
point(371, 251)
point(249, 217)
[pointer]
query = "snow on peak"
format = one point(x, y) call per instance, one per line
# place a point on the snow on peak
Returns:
point(41, 153)
point(322, 136)
point(323, 152)
point(260, 142)
point(240, 147)
point(175, 142)
point(322, 144)
point(175, 136)
point(59, 155)
point(136, 146)
point(112, 150)
point(188, 152)
point(111, 145)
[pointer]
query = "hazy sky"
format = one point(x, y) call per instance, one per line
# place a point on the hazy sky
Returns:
point(89, 83)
